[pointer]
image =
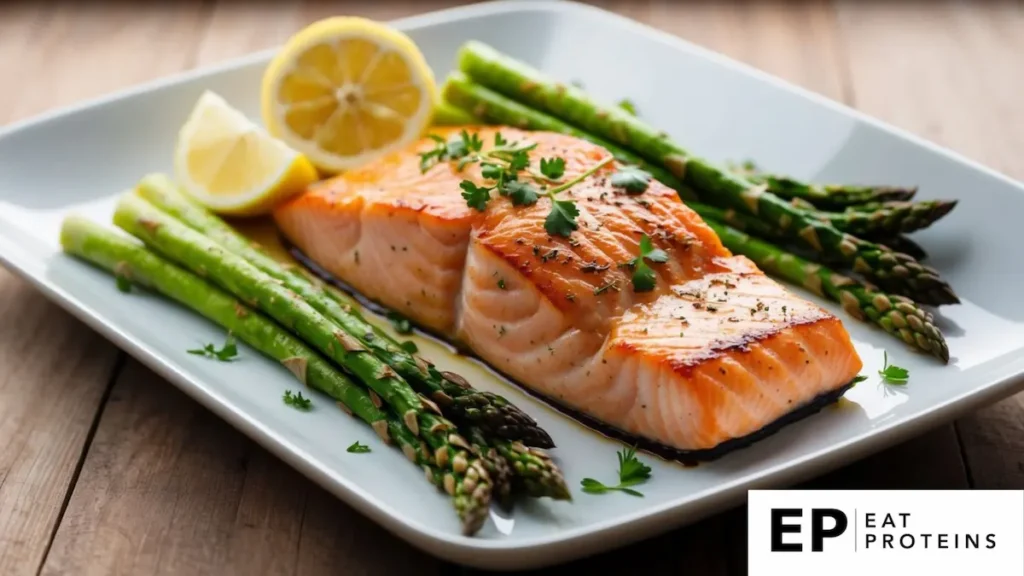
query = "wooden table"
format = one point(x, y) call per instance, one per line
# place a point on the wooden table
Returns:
point(107, 469)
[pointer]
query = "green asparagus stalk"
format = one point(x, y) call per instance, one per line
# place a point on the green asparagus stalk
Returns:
point(531, 469)
point(903, 244)
point(888, 218)
point(743, 222)
point(447, 115)
point(824, 196)
point(457, 399)
point(764, 230)
point(895, 314)
point(493, 108)
point(897, 273)
point(466, 475)
point(128, 259)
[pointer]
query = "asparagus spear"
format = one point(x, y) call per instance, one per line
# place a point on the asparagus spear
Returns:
point(457, 399)
point(447, 115)
point(531, 469)
point(897, 273)
point(466, 474)
point(738, 221)
point(896, 315)
point(130, 260)
point(903, 244)
point(824, 196)
point(888, 218)
point(494, 108)
point(766, 231)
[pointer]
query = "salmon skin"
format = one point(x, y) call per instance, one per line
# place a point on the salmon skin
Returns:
point(716, 355)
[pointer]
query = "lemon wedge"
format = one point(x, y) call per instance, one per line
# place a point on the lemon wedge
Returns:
point(345, 90)
point(231, 165)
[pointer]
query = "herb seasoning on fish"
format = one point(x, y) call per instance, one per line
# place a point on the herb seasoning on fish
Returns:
point(503, 164)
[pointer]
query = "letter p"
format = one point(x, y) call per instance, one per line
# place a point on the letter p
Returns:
point(818, 531)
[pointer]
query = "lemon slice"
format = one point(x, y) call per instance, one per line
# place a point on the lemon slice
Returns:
point(231, 165)
point(346, 90)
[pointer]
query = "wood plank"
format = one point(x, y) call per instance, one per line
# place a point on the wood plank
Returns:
point(795, 41)
point(56, 370)
point(239, 28)
point(958, 72)
point(84, 51)
point(169, 488)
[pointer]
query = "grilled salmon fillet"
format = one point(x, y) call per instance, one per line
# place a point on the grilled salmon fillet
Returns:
point(717, 351)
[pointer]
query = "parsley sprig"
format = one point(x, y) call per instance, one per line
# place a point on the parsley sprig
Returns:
point(357, 448)
point(225, 354)
point(631, 179)
point(297, 400)
point(893, 374)
point(561, 221)
point(504, 165)
point(644, 277)
point(123, 283)
point(631, 473)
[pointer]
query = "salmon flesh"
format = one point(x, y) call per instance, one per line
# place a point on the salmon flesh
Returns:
point(715, 353)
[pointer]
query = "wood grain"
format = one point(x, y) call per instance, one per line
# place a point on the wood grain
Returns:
point(55, 369)
point(238, 28)
point(169, 488)
point(55, 372)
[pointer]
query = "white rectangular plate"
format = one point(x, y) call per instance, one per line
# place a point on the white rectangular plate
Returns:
point(77, 160)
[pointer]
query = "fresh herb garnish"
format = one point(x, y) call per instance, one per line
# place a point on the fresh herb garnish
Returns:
point(631, 179)
point(224, 354)
point(643, 275)
point(561, 221)
point(627, 105)
point(893, 374)
point(476, 196)
point(552, 168)
point(501, 283)
point(409, 346)
point(297, 400)
point(357, 448)
point(400, 323)
point(631, 473)
point(458, 147)
point(123, 284)
point(521, 193)
point(504, 165)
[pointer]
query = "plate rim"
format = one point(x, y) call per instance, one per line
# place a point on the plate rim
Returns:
point(1004, 378)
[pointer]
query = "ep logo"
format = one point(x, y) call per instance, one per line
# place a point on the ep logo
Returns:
point(823, 523)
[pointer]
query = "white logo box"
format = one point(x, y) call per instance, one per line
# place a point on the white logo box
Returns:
point(878, 532)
